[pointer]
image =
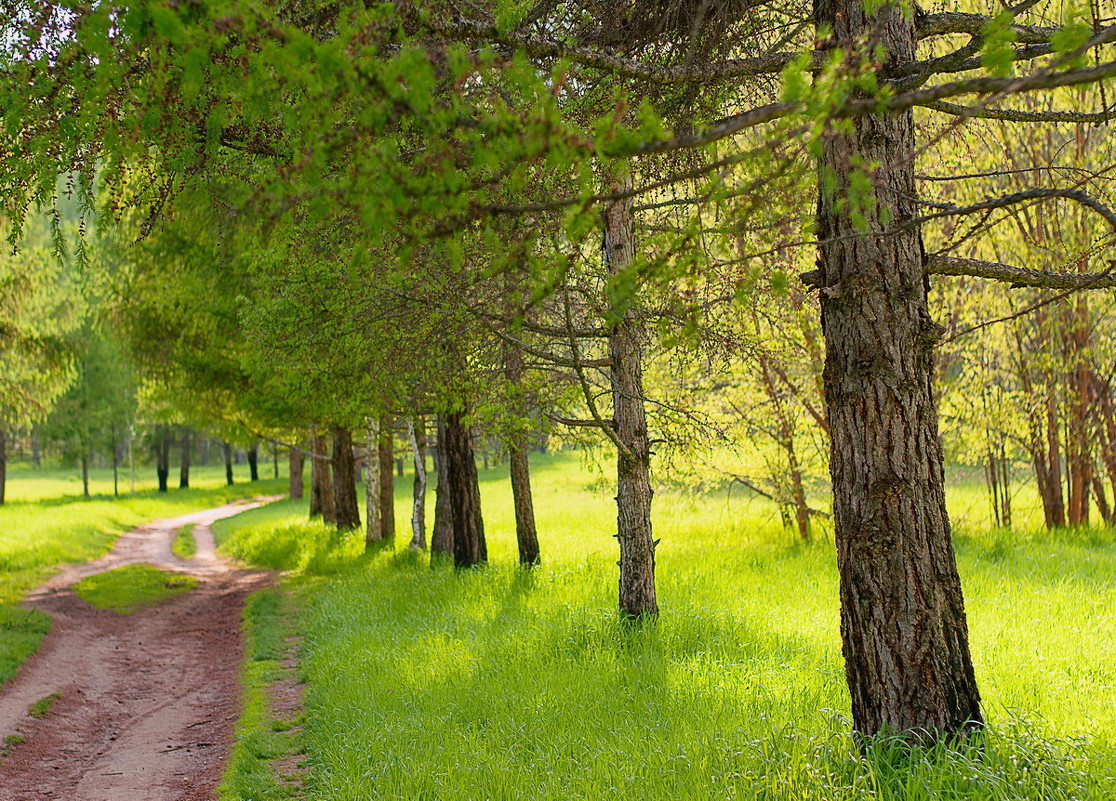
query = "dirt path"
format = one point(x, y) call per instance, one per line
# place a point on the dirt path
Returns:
point(148, 701)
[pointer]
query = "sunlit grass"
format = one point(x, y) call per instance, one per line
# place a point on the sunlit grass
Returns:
point(184, 545)
point(126, 589)
point(499, 683)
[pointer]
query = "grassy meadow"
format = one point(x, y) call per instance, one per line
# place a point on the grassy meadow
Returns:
point(45, 522)
point(431, 683)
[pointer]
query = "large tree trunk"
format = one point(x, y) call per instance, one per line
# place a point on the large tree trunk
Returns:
point(416, 430)
point(441, 538)
point(3, 464)
point(374, 531)
point(344, 480)
point(386, 451)
point(633, 470)
point(294, 461)
point(254, 460)
point(321, 486)
point(903, 626)
point(227, 453)
point(162, 456)
point(469, 546)
point(184, 464)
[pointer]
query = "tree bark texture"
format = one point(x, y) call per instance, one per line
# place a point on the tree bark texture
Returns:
point(633, 470)
point(441, 539)
point(469, 546)
point(416, 430)
point(184, 462)
point(344, 480)
point(294, 459)
point(374, 533)
point(321, 486)
point(387, 479)
point(903, 625)
point(526, 535)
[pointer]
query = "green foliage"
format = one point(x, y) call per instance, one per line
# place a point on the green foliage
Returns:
point(998, 47)
point(126, 589)
point(737, 691)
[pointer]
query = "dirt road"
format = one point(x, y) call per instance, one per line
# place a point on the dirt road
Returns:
point(147, 702)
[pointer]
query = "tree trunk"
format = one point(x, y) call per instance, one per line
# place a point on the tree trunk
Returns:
point(344, 480)
point(374, 532)
point(85, 474)
point(226, 451)
point(903, 626)
point(162, 456)
point(387, 480)
point(3, 464)
point(321, 486)
point(633, 469)
point(294, 460)
point(275, 461)
point(469, 546)
point(254, 460)
point(416, 430)
point(184, 465)
point(525, 534)
point(441, 538)
point(115, 465)
point(1054, 504)
point(203, 451)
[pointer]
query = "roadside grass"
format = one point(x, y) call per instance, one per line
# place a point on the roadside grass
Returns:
point(38, 532)
point(262, 739)
point(128, 588)
point(502, 683)
point(184, 545)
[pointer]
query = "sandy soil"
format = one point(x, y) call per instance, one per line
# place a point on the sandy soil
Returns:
point(148, 701)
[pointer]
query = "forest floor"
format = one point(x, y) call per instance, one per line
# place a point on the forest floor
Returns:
point(137, 706)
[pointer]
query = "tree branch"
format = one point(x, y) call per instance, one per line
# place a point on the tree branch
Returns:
point(938, 264)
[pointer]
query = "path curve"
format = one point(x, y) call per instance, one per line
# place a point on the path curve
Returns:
point(147, 702)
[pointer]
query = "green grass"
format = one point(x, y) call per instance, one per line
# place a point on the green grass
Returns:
point(260, 738)
point(41, 708)
point(129, 588)
point(184, 545)
point(41, 528)
point(498, 683)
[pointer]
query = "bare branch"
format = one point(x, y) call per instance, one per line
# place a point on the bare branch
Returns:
point(937, 264)
point(1012, 115)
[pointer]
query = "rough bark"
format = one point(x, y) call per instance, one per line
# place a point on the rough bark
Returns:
point(374, 533)
point(441, 538)
point(347, 513)
point(162, 456)
point(903, 626)
point(227, 453)
point(637, 596)
point(254, 460)
point(294, 459)
point(321, 486)
point(387, 480)
point(469, 546)
point(416, 431)
point(526, 535)
point(184, 463)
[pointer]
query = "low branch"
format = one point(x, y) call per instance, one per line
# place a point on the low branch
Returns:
point(569, 421)
point(1011, 115)
point(938, 264)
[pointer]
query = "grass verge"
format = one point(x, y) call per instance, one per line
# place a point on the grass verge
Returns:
point(266, 744)
point(129, 588)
